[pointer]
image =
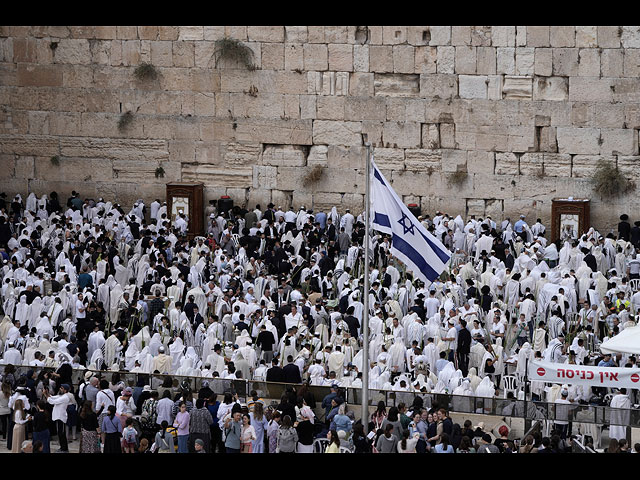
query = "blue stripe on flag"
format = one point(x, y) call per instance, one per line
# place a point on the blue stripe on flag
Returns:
point(415, 257)
point(376, 174)
point(382, 219)
point(441, 255)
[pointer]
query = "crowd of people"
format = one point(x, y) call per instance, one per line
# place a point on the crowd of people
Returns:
point(274, 295)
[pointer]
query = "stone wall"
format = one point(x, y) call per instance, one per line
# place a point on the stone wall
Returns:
point(471, 120)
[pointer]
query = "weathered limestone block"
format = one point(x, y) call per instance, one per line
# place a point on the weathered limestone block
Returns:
point(507, 163)
point(325, 201)
point(517, 87)
point(538, 36)
point(24, 167)
point(503, 36)
point(422, 160)
point(460, 35)
point(295, 34)
point(24, 49)
point(543, 62)
point(381, 59)
point(524, 60)
point(330, 108)
point(404, 58)
point(618, 141)
point(167, 33)
point(441, 86)
point(557, 165)
point(531, 164)
point(551, 88)
point(446, 61)
point(341, 57)
point(440, 35)
point(119, 149)
point(211, 153)
point(448, 135)
point(191, 33)
point(336, 34)
point(589, 62)
point(264, 176)
point(612, 62)
point(486, 60)
point(318, 155)
point(418, 35)
point(563, 36)
point(630, 37)
point(338, 133)
point(265, 34)
point(631, 62)
point(389, 158)
point(39, 76)
point(630, 166)
point(147, 32)
point(626, 90)
point(213, 175)
point(521, 36)
point(293, 56)
point(345, 157)
point(284, 155)
point(364, 108)
point(565, 61)
point(454, 160)
point(402, 134)
point(506, 60)
point(521, 138)
point(473, 86)
point(426, 60)
point(480, 162)
point(25, 145)
point(494, 87)
point(481, 36)
point(574, 140)
point(466, 60)
point(587, 37)
point(608, 37)
point(104, 32)
point(78, 169)
point(583, 166)
point(280, 132)
point(315, 34)
point(430, 136)
point(316, 57)
point(610, 116)
point(127, 170)
point(590, 89)
point(396, 85)
point(394, 35)
point(242, 154)
point(361, 58)
point(273, 56)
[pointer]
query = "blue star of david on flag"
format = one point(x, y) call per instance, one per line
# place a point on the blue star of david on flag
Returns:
point(407, 228)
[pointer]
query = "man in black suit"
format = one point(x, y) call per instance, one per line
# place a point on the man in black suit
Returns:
point(624, 228)
point(509, 260)
point(463, 348)
point(291, 372)
point(275, 373)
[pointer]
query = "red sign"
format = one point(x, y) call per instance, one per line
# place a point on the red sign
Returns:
point(584, 375)
point(541, 371)
point(635, 378)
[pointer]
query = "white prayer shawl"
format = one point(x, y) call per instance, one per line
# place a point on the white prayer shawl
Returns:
point(112, 349)
point(44, 327)
point(22, 311)
point(96, 342)
point(486, 388)
point(35, 311)
point(130, 356)
point(621, 417)
point(336, 364)
point(176, 350)
point(397, 358)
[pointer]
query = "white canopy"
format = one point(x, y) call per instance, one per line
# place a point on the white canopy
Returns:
point(627, 341)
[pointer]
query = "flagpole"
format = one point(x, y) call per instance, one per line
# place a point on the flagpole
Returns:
point(365, 300)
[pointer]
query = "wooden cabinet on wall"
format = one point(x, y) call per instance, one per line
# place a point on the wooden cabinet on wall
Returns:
point(570, 218)
point(187, 198)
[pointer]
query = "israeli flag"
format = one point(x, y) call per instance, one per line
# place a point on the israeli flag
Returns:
point(420, 251)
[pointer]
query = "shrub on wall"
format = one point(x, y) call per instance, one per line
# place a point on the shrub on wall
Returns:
point(608, 181)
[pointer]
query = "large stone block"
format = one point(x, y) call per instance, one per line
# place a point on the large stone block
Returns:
point(538, 36)
point(618, 141)
point(423, 160)
point(543, 62)
point(213, 175)
point(394, 35)
point(296, 34)
point(503, 36)
point(506, 60)
point(481, 36)
point(589, 59)
point(473, 86)
point(281, 132)
point(630, 37)
point(507, 163)
point(608, 37)
point(28, 145)
point(565, 61)
point(631, 62)
point(551, 88)
point(557, 165)
point(563, 36)
point(318, 155)
point(120, 149)
point(430, 135)
point(293, 56)
point(480, 162)
point(337, 133)
point(525, 61)
point(590, 89)
point(264, 176)
point(389, 158)
point(273, 56)
point(466, 60)
point(446, 60)
point(517, 87)
point(364, 108)
point(78, 169)
point(265, 34)
point(396, 85)
point(316, 57)
point(583, 141)
point(587, 37)
point(441, 86)
point(341, 57)
point(583, 166)
point(460, 35)
point(454, 161)
point(426, 60)
point(284, 155)
point(610, 116)
point(39, 76)
point(612, 62)
point(402, 134)
point(440, 35)
point(330, 108)
point(346, 157)
point(381, 59)
point(404, 58)
point(486, 60)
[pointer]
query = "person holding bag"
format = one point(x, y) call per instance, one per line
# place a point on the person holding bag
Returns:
point(111, 431)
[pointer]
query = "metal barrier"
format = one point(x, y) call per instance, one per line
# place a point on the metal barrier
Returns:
point(504, 407)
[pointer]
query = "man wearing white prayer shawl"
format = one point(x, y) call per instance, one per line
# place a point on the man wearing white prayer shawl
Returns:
point(620, 418)
point(112, 350)
point(44, 327)
point(162, 362)
point(176, 351)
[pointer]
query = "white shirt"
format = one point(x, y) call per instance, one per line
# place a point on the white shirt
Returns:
point(80, 309)
point(164, 409)
point(59, 403)
point(104, 398)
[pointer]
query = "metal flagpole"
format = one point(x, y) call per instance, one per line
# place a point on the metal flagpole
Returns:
point(365, 300)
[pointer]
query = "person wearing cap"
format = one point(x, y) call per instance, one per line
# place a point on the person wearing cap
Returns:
point(59, 415)
point(561, 420)
point(624, 228)
point(125, 406)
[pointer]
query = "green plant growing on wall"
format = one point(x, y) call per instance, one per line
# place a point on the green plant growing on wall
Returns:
point(457, 178)
point(233, 49)
point(55, 160)
point(145, 71)
point(608, 181)
point(313, 175)
point(125, 120)
point(159, 172)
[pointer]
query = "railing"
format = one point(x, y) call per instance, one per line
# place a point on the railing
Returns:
point(504, 407)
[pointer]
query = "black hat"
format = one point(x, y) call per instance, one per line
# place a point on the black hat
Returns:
point(624, 216)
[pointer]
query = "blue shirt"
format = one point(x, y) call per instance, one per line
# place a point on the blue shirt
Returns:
point(519, 226)
point(321, 218)
point(111, 425)
point(610, 363)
